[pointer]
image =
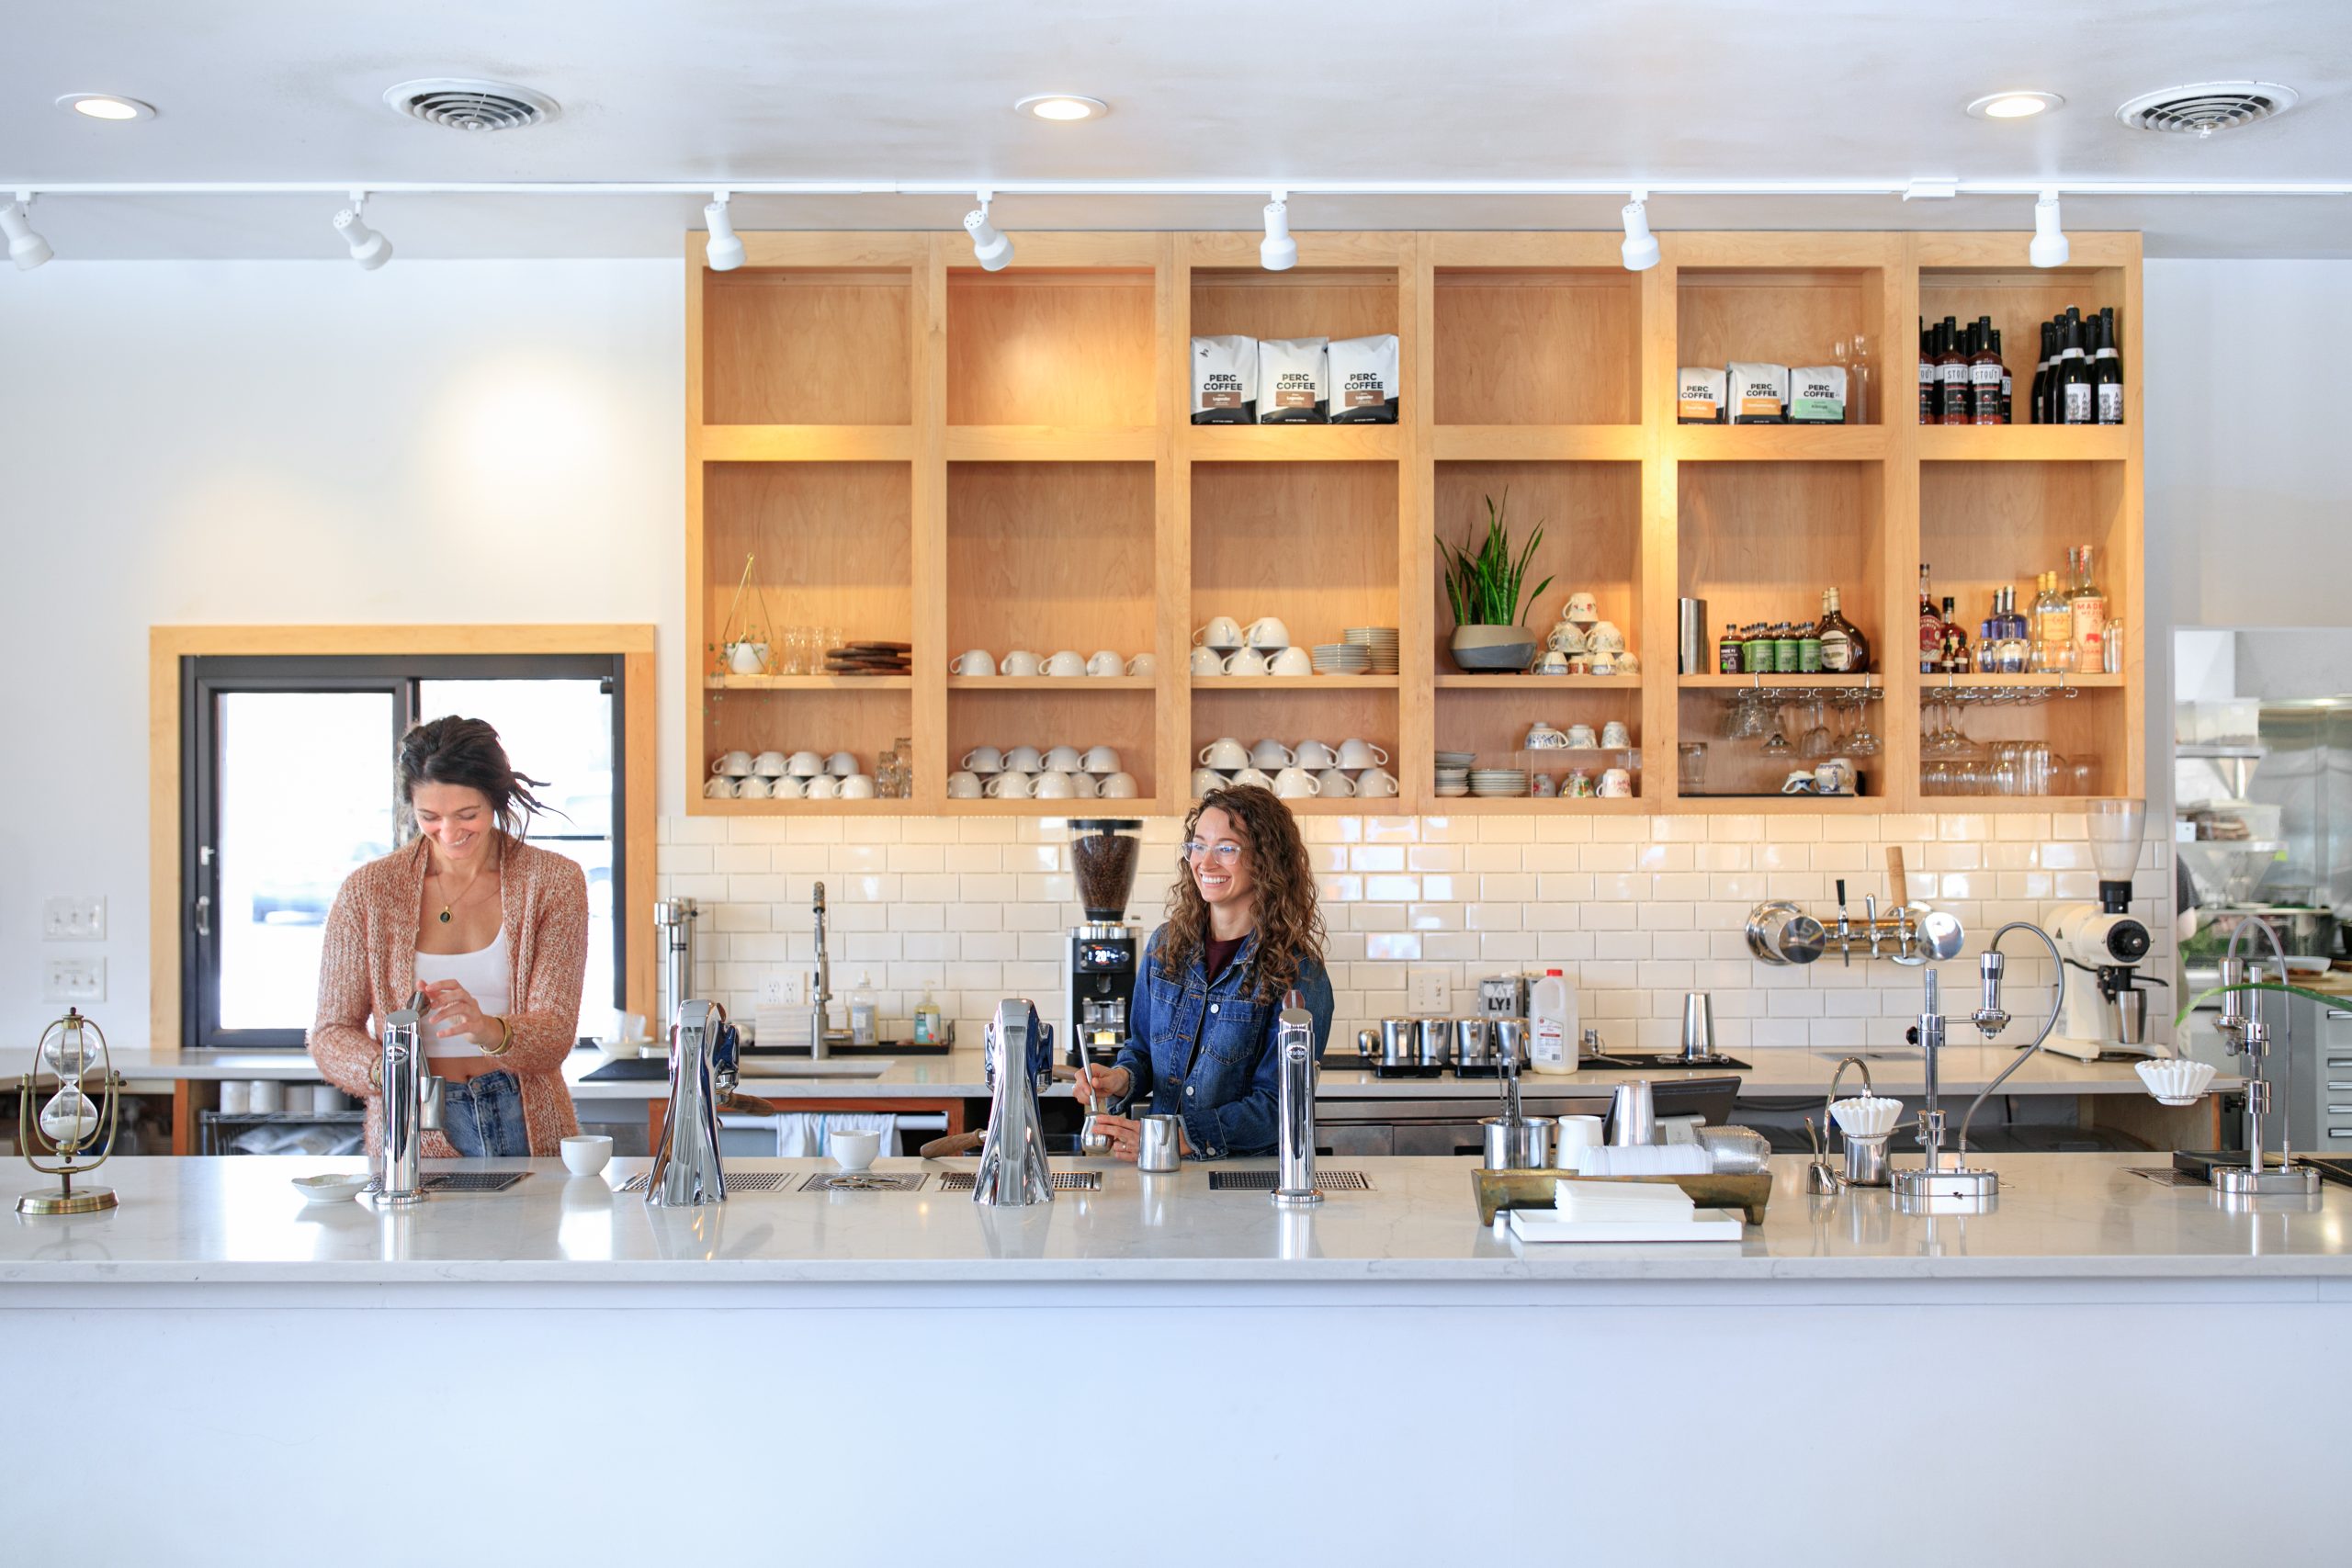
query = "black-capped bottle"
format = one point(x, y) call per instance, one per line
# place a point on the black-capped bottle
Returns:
point(2041, 394)
point(1951, 364)
point(2076, 400)
point(1930, 386)
point(2004, 375)
point(1984, 375)
point(2107, 370)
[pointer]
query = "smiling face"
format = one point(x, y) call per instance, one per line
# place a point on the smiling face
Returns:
point(456, 818)
point(1220, 869)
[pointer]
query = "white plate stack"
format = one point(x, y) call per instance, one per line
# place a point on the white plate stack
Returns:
point(1498, 783)
point(1379, 644)
point(1342, 658)
point(1453, 773)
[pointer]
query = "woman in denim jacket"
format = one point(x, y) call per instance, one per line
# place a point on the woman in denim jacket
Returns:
point(1242, 929)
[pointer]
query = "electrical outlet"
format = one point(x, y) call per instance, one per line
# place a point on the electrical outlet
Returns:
point(66, 919)
point(779, 991)
point(74, 980)
point(1427, 991)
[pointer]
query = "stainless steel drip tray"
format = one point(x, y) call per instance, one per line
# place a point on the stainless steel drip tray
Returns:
point(1063, 1180)
point(864, 1181)
point(736, 1181)
point(463, 1181)
point(1264, 1181)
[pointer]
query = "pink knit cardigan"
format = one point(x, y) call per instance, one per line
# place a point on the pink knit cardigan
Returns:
point(368, 971)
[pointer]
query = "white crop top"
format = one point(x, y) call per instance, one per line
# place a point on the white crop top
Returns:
point(486, 973)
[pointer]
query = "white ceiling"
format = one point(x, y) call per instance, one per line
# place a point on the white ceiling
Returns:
point(1277, 91)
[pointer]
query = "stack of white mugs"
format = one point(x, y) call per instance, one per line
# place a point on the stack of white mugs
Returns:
point(1355, 769)
point(787, 775)
point(1030, 773)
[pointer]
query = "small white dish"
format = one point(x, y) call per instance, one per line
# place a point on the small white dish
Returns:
point(853, 1151)
point(336, 1186)
point(585, 1153)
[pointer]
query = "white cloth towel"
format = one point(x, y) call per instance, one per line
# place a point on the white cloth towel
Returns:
point(801, 1134)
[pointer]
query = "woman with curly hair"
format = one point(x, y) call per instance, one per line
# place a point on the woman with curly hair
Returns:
point(1242, 930)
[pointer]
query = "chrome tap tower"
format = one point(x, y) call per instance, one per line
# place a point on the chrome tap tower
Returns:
point(686, 1168)
point(1294, 1171)
point(1013, 1157)
point(411, 1109)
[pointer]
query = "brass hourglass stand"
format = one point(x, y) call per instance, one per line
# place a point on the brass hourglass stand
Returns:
point(69, 1123)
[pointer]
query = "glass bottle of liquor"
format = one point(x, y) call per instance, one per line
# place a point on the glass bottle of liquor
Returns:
point(1988, 639)
point(1930, 385)
point(2090, 605)
point(2041, 396)
point(1984, 375)
point(2076, 403)
point(2004, 375)
point(2017, 636)
point(1954, 659)
point(1844, 649)
point(2107, 370)
point(1931, 626)
point(1951, 364)
point(2055, 629)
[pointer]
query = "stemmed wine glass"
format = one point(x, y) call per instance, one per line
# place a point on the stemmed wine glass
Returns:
point(1861, 741)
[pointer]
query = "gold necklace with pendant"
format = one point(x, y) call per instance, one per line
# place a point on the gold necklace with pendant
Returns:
point(449, 905)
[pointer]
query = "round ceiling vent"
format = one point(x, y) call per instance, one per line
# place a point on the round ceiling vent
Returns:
point(2204, 107)
point(456, 104)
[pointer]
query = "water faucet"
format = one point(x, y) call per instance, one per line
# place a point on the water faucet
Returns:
point(820, 985)
point(1845, 926)
point(686, 1168)
point(1869, 918)
point(1013, 1157)
point(1295, 1163)
point(411, 1107)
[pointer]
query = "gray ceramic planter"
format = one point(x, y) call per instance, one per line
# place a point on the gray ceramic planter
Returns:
point(1492, 651)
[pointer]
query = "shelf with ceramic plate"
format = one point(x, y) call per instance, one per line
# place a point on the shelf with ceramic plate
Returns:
point(1069, 684)
point(808, 683)
point(1293, 683)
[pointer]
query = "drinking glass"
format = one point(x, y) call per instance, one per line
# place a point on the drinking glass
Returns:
point(1691, 762)
point(1815, 744)
point(1778, 745)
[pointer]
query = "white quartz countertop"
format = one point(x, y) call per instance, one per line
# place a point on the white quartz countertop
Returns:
point(239, 1220)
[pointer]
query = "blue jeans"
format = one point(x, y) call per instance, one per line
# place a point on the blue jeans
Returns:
point(483, 1116)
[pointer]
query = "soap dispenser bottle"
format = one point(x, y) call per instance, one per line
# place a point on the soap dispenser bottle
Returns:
point(863, 1008)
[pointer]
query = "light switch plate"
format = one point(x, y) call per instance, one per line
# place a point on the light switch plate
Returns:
point(1427, 991)
point(74, 980)
point(68, 918)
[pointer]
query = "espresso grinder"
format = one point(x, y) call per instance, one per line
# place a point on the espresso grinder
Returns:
point(2102, 946)
point(1103, 949)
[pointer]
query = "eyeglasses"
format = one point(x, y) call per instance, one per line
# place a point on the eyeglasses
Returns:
point(1225, 854)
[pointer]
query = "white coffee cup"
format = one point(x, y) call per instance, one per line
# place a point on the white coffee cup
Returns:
point(1375, 784)
point(1333, 784)
point(1566, 637)
point(267, 1095)
point(755, 789)
point(1354, 754)
point(1575, 1133)
point(1614, 733)
point(718, 789)
point(1068, 662)
point(1294, 783)
point(1143, 664)
point(1315, 754)
point(858, 787)
point(1065, 760)
point(1102, 661)
point(824, 786)
point(975, 662)
point(1270, 755)
point(1799, 781)
point(1627, 664)
point(1023, 760)
point(236, 1097)
point(1020, 662)
point(788, 788)
point(1616, 783)
point(770, 765)
point(853, 1151)
point(840, 764)
point(1052, 787)
point(1582, 608)
point(1207, 661)
point(963, 784)
point(805, 764)
point(1581, 738)
point(1225, 753)
point(1008, 785)
point(1604, 664)
point(984, 760)
point(1266, 632)
point(1205, 779)
point(1835, 776)
point(1258, 776)
point(1119, 786)
point(1550, 662)
point(1245, 662)
point(1082, 785)
point(1293, 662)
point(585, 1153)
point(1223, 633)
point(1100, 760)
point(733, 765)
point(1605, 638)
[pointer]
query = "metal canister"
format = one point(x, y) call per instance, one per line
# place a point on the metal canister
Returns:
point(1517, 1146)
point(1508, 1038)
point(1690, 637)
point(1158, 1147)
point(1398, 1048)
point(1434, 1038)
point(1470, 1043)
point(1866, 1162)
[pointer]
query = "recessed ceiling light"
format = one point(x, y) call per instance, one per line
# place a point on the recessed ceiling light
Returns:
point(2013, 106)
point(1062, 107)
point(106, 105)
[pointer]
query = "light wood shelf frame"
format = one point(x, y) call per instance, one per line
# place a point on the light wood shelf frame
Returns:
point(1567, 283)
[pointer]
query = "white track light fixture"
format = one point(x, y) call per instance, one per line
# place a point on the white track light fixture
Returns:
point(2049, 247)
point(368, 248)
point(725, 252)
point(1640, 249)
point(990, 247)
point(1278, 251)
point(26, 249)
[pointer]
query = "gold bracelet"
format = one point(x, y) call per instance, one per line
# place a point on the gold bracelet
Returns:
point(505, 1039)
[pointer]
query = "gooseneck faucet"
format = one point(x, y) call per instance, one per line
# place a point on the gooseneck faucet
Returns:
point(1294, 1163)
point(411, 1107)
point(1959, 1181)
point(686, 1168)
point(820, 985)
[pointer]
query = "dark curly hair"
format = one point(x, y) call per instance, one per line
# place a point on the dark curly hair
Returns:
point(1289, 923)
point(466, 751)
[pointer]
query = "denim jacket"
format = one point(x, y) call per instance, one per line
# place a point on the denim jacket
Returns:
point(1228, 1097)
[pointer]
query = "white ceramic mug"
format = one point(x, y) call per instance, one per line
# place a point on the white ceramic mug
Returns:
point(975, 662)
point(1064, 759)
point(1315, 754)
point(1023, 760)
point(1835, 776)
point(1052, 787)
point(984, 760)
point(1270, 755)
point(733, 765)
point(1799, 781)
point(1582, 608)
point(1616, 783)
point(1566, 637)
point(1225, 753)
point(1066, 664)
point(787, 788)
point(1205, 779)
point(1223, 633)
point(1581, 738)
point(585, 1153)
point(1008, 785)
point(770, 764)
point(1604, 664)
point(1119, 786)
point(1354, 754)
point(840, 764)
point(720, 788)
point(963, 784)
point(1614, 733)
point(1376, 784)
point(1605, 638)
point(1254, 776)
point(1020, 662)
point(1105, 662)
point(1267, 632)
point(805, 764)
point(1293, 783)
point(824, 786)
point(1082, 785)
point(1333, 784)
point(1143, 664)
point(1207, 661)
point(755, 789)
point(1554, 662)
point(858, 787)
point(1245, 662)
point(1100, 760)
point(1628, 665)
point(1293, 662)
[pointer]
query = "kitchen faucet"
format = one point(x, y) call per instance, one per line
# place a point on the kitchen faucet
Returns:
point(820, 986)
point(1295, 1163)
point(412, 1108)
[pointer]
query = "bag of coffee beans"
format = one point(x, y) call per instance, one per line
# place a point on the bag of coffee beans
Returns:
point(1364, 380)
point(1294, 380)
point(1699, 396)
point(1818, 395)
point(1759, 393)
point(1224, 381)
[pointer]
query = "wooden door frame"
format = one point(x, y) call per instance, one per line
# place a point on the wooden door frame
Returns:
point(166, 646)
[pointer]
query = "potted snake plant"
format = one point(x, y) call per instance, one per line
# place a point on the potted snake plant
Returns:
point(1485, 591)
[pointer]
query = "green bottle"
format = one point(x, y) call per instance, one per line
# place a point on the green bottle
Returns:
point(1784, 649)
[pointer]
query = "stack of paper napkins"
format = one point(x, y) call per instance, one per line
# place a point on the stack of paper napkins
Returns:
point(1624, 1210)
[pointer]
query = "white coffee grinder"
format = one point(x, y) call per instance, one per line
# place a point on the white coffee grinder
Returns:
point(2102, 946)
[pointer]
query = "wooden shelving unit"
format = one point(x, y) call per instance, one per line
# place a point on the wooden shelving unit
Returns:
point(913, 449)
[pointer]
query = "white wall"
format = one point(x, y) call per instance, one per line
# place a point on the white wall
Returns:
point(298, 442)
